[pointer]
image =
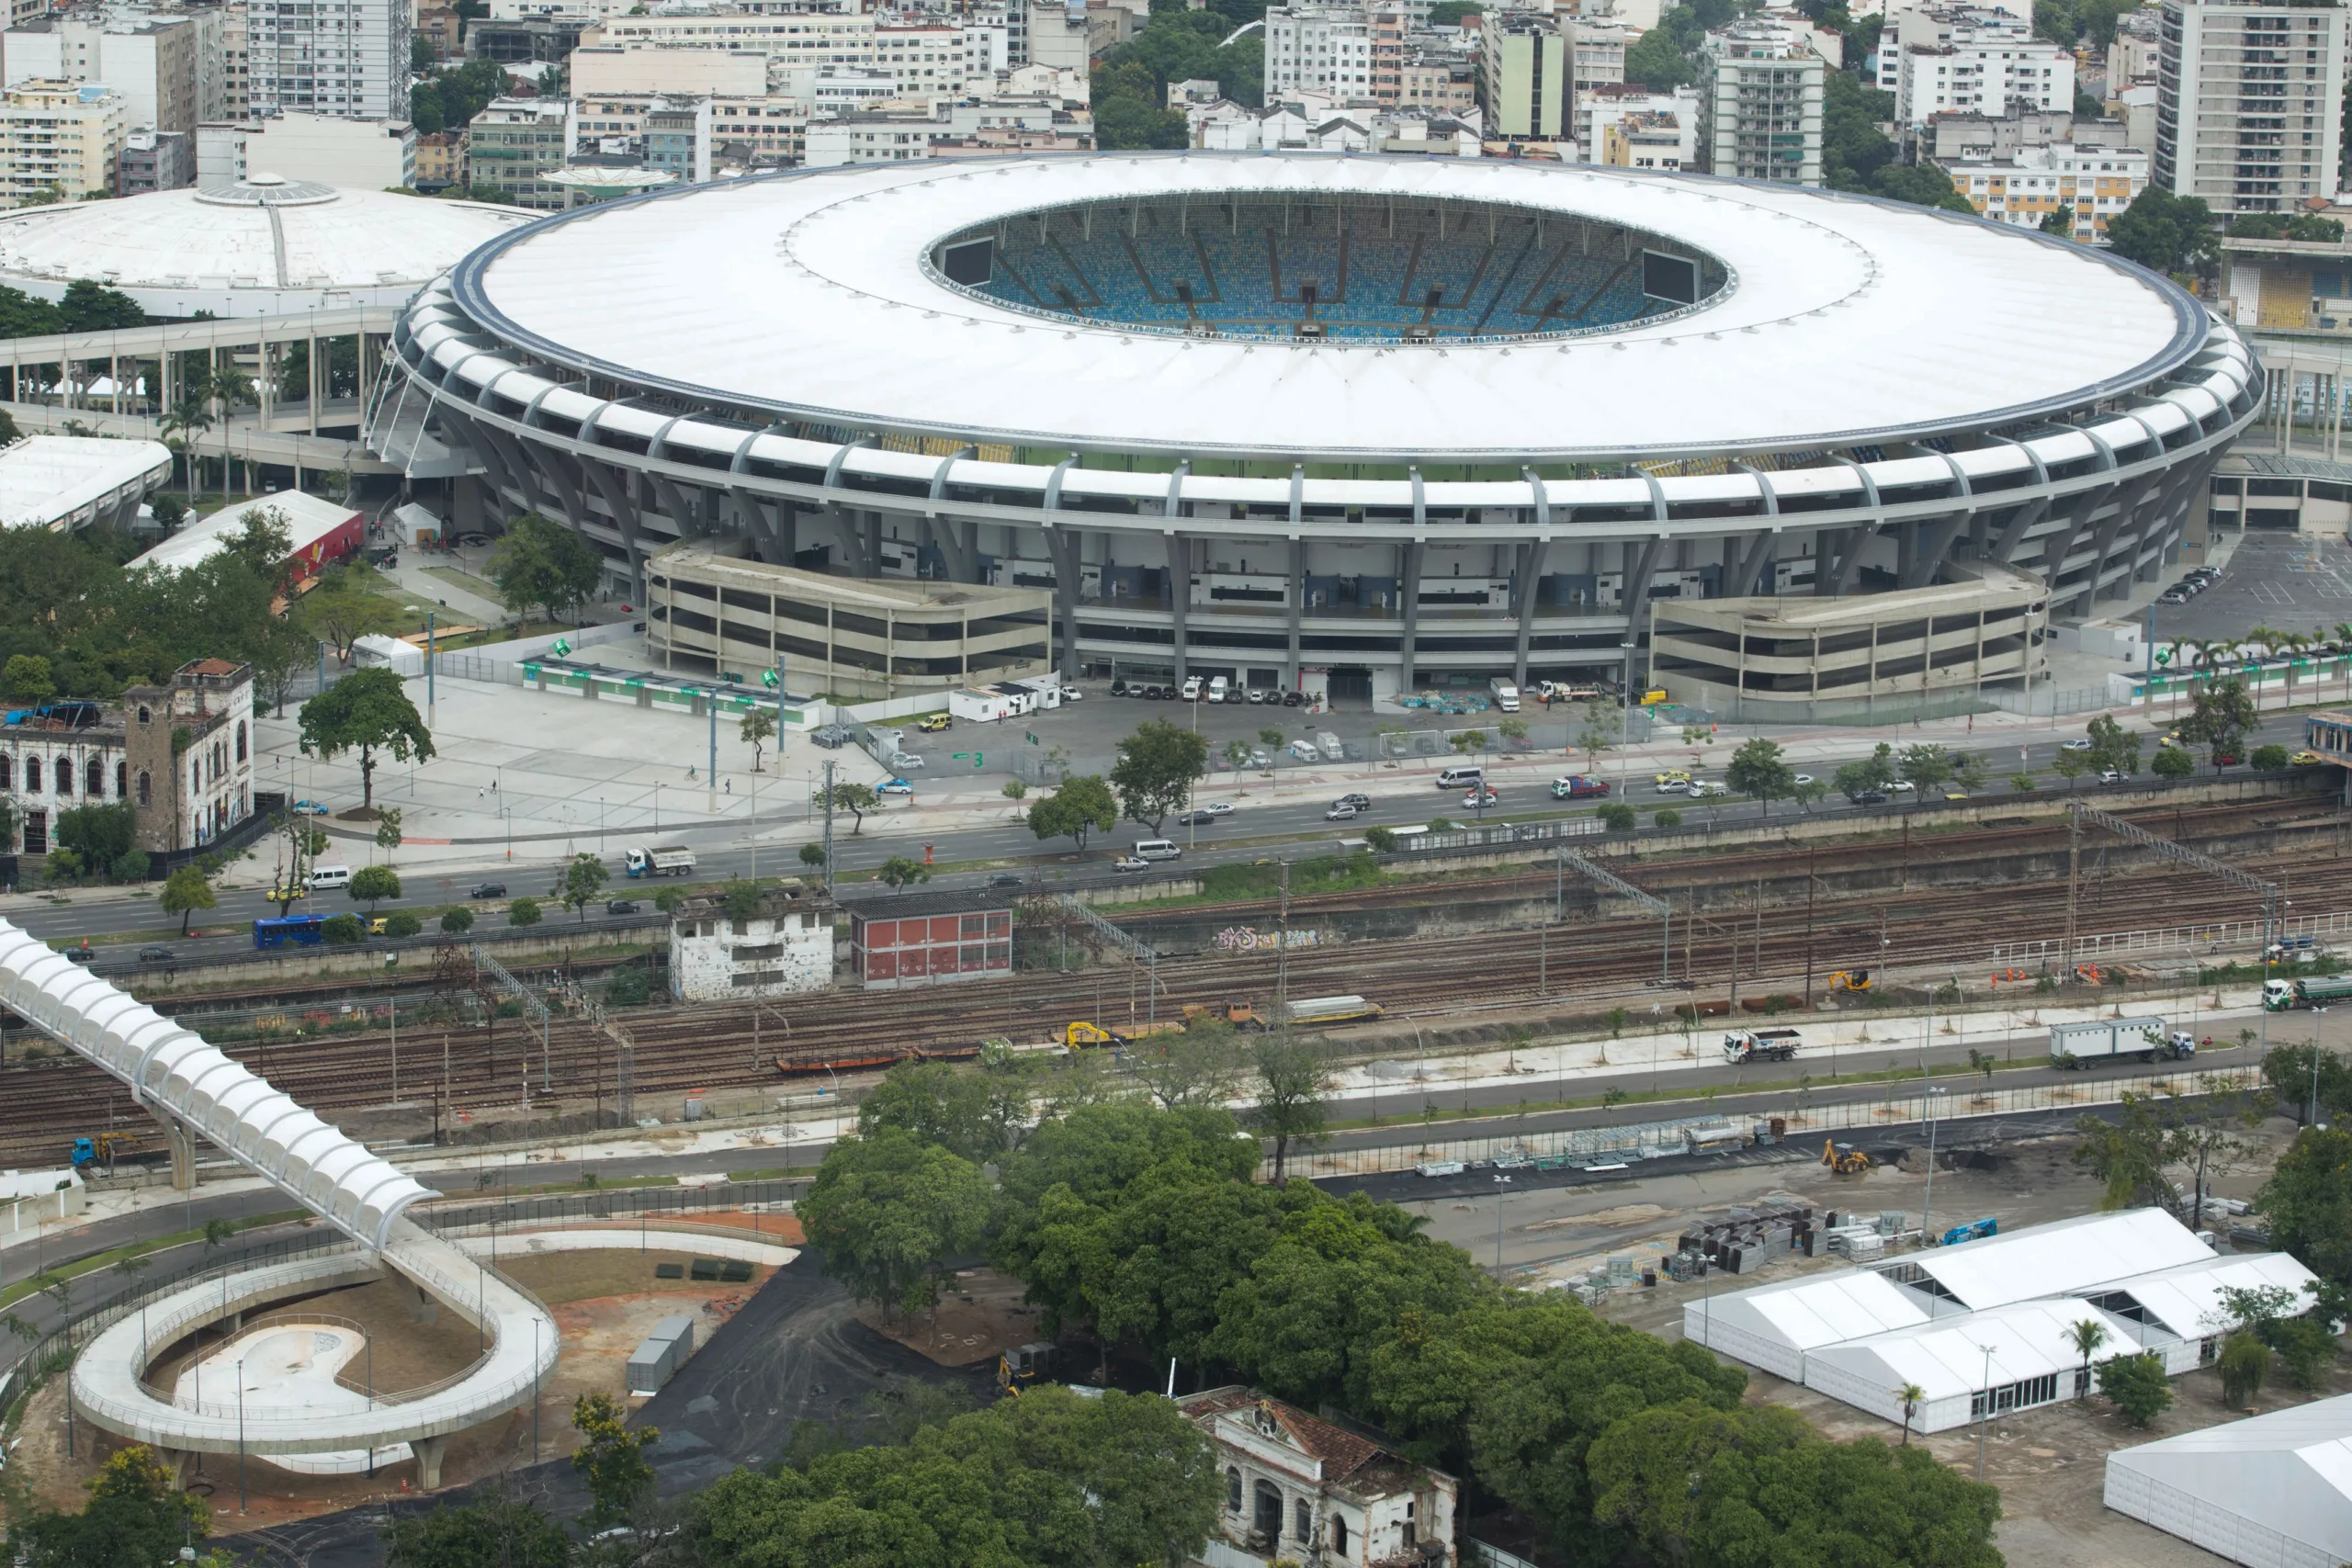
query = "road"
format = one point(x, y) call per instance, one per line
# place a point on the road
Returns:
point(1251, 833)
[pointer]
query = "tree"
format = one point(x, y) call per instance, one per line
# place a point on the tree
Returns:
point(492, 1531)
point(758, 726)
point(1928, 767)
point(899, 871)
point(343, 608)
point(741, 899)
point(857, 799)
point(585, 876)
point(1237, 757)
point(812, 855)
point(457, 920)
point(611, 1458)
point(100, 835)
point(342, 930)
point(2221, 715)
point(977, 1116)
point(217, 1234)
point(1156, 768)
point(188, 889)
point(1923, 185)
point(1293, 1077)
point(2086, 1337)
point(2244, 1366)
point(1657, 62)
point(1081, 806)
point(1617, 816)
point(369, 710)
point(1202, 1066)
point(2112, 747)
point(888, 1213)
point(1759, 771)
point(137, 1513)
point(2308, 1200)
point(371, 884)
point(90, 307)
point(388, 831)
point(522, 912)
point(2059, 220)
point(2173, 763)
point(2165, 233)
point(2070, 766)
point(29, 678)
point(1913, 1396)
point(541, 562)
point(1604, 726)
point(2272, 759)
point(2129, 1155)
point(2136, 1386)
point(1382, 841)
point(399, 923)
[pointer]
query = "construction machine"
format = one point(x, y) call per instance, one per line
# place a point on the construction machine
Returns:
point(1080, 1035)
point(1025, 1366)
point(1851, 980)
point(1844, 1159)
point(1239, 1015)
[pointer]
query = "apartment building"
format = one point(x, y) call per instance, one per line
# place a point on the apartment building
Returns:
point(2133, 55)
point(1524, 83)
point(347, 58)
point(154, 161)
point(786, 42)
point(2247, 102)
point(440, 160)
point(1760, 105)
point(1603, 107)
point(514, 141)
point(1388, 28)
point(1991, 70)
point(678, 139)
point(235, 78)
point(2091, 183)
point(358, 154)
point(1661, 140)
point(1596, 55)
point(1318, 49)
point(152, 63)
point(59, 139)
point(1438, 83)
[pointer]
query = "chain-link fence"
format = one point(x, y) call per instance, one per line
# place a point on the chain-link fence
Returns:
point(646, 1204)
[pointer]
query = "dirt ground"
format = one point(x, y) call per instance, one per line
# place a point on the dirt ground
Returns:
point(604, 1303)
point(980, 1319)
point(2049, 1463)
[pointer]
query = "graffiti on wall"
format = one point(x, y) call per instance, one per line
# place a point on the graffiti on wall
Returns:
point(1243, 939)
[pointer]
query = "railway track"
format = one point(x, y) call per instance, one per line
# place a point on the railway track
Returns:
point(677, 1050)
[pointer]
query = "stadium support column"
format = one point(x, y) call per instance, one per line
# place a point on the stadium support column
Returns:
point(1067, 546)
point(1408, 610)
point(1641, 565)
point(1180, 592)
point(614, 488)
point(1523, 596)
point(1295, 594)
point(2103, 542)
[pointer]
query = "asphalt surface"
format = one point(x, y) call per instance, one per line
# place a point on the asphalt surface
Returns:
point(1249, 833)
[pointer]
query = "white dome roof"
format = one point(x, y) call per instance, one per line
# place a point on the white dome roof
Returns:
point(266, 246)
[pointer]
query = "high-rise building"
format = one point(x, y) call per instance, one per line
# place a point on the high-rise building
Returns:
point(1760, 105)
point(1996, 69)
point(59, 139)
point(2247, 97)
point(1524, 83)
point(677, 139)
point(1318, 49)
point(514, 141)
point(151, 61)
point(348, 58)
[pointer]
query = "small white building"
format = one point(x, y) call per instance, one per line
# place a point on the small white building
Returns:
point(31, 1198)
point(785, 949)
point(64, 482)
point(1301, 1488)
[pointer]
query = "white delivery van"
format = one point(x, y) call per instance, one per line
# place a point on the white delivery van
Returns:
point(1461, 778)
point(324, 878)
point(1505, 695)
point(1220, 689)
point(1157, 848)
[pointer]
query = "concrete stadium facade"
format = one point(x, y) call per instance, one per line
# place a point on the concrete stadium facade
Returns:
point(1868, 397)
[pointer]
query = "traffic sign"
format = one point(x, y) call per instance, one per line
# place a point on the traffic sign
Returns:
point(768, 679)
point(959, 756)
point(561, 648)
point(1030, 736)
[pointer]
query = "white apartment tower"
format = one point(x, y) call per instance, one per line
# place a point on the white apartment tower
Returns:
point(346, 57)
point(1983, 70)
point(2247, 102)
point(1317, 49)
point(1760, 105)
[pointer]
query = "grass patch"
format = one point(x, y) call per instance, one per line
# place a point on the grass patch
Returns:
point(456, 577)
point(97, 1260)
point(598, 1184)
point(777, 1173)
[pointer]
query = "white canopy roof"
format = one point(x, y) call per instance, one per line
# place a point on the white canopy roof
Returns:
point(307, 520)
point(2274, 1491)
point(2061, 1259)
point(1947, 1358)
point(812, 295)
point(2186, 1301)
point(1822, 1310)
point(51, 481)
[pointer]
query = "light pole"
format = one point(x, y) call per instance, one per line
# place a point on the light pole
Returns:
point(1501, 1182)
point(241, 1434)
point(1988, 1411)
point(1928, 1203)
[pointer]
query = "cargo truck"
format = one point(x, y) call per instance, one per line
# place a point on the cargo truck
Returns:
point(664, 860)
point(2107, 1039)
point(1743, 1045)
point(2325, 990)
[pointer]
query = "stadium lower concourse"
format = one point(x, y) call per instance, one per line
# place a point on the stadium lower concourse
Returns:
point(1355, 424)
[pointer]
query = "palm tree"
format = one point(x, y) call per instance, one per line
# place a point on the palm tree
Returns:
point(1913, 1396)
point(2088, 1336)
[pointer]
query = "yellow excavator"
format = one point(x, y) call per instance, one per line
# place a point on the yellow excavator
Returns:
point(1844, 1159)
point(1080, 1035)
point(1851, 980)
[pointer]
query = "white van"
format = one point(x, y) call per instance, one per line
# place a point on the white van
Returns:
point(1505, 695)
point(1192, 688)
point(1220, 689)
point(324, 878)
point(1157, 848)
point(1461, 778)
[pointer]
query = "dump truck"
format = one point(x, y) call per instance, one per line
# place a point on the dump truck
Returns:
point(2149, 1039)
point(1319, 1011)
point(1744, 1046)
point(660, 859)
point(2278, 996)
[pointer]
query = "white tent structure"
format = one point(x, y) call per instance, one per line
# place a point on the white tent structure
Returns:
point(2008, 1357)
point(1987, 1326)
point(2273, 1492)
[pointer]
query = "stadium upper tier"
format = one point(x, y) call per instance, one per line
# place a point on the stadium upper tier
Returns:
point(1346, 268)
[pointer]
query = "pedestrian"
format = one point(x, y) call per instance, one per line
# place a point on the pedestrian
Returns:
point(482, 791)
point(730, 786)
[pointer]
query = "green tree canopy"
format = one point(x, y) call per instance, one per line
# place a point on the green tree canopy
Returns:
point(137, 1513)
point(888, 1214)
point(1156, 767)
point(368, 710)
point(186, 890)
point(542, 562)
point(2163, 232)
point(585, 876)
point(371, 884)
point(1759, 772)
point(1081, 806)
point(492, 1531)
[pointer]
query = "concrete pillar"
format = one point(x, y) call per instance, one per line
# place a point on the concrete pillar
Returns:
point(1297, 596)
point(428, 1452)
point(181, 1141)
point(318, 382)
point(1179, 594)
point(178, 1463)
point(1409, 607)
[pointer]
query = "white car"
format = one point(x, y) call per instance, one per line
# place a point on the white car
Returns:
point(1305, 751)
point(2112, 776)
point(1901, 786)
point(905, 762)
point(1800, 778)
point(2079, 743)
point(1702, 789)
point(1217, 809)
point(1192, 688)
point(1130, 863)
point(1471, 800)
point(1261, 758)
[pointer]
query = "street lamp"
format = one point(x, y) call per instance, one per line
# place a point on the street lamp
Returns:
point(1988, 1411)
point(1501, 1182)
point(1928, 1203)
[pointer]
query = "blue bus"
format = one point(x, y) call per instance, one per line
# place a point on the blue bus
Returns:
point(299, 931)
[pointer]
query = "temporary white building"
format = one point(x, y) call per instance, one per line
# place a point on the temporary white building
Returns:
point(2272, 1491)
point(2007, 1358)
point(1988, 1324)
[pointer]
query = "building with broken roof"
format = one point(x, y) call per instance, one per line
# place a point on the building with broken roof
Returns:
point(1299, 1487)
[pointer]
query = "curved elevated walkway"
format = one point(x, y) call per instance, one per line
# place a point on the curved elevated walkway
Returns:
point(180, 1075)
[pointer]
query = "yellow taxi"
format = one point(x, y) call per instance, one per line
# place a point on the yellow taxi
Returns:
point(2305, 760)
point(1674, 775)
point(2170, 740)
point(288, 894)
point(375, 924)
point(931, 723)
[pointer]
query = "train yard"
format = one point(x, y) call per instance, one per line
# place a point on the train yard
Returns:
point(1761, 920)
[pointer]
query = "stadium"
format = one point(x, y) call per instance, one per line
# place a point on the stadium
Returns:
point(1357, 425)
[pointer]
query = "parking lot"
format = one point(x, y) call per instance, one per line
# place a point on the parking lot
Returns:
point(2296, 582)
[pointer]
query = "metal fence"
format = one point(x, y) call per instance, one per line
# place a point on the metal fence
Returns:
point(1653, 1139)
point(474, 667)
point(2210, 937)
point(647, 1203)
point(1504, 834)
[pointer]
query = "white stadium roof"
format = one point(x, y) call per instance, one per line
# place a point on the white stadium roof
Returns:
point(2273, 1492)
point(67, 481)
point(264, 247)
point(1846, 319)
